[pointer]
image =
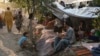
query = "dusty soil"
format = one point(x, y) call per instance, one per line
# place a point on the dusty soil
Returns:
point(9, 43)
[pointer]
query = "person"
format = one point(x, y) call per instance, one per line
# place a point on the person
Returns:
point(23, 40)
point(57, 26)
point(8, 18)
point(64, 39)
point(81, 30)
point(62, 3)
point(93, 36)
point(44, 43)
point(81, 5)
point(46, 20)
point(19, 21)
point(31, 16)
point(1, 23)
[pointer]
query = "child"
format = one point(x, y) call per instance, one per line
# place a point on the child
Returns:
point(23, 40)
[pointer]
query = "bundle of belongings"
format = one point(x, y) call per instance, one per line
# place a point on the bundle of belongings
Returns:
point(96, 51)
point(95, 35)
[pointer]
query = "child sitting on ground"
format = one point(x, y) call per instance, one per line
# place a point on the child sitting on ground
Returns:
point(23, 40)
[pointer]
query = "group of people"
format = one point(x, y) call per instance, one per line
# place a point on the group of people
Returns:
point(9, 18)
point(61, 32)
point(57, 34)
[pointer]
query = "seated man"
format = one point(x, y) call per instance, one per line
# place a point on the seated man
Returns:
point(63, 40)
point(23, 40)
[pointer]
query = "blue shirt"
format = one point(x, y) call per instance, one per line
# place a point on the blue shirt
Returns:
point(21, 40)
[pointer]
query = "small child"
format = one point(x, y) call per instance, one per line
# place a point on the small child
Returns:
point(23, 40)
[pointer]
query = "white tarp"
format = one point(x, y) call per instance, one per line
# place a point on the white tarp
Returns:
point(73, 1)
point(89, 46)
point(85, 12)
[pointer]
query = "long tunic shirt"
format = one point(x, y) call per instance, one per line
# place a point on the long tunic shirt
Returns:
point(8, 18)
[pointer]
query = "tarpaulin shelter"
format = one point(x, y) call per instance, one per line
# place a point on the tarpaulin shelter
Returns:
point(85, 12)
point(75, 14)
point(73, 1)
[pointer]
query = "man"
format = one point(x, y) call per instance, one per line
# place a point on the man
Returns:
point(23, 40)
point(19, 21)
point(64, 39)
point(8, 18)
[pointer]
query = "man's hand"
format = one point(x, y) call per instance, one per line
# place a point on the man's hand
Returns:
point(62, 35)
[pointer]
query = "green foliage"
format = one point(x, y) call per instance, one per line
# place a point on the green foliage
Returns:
point(96, 23)
point(96, 2)
point(21, 3)
point(36, 5)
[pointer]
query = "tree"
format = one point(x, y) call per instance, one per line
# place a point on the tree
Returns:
point(96, 2)
point(96, 23)
point(34, 6)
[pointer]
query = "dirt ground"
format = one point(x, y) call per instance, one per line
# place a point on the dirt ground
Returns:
point(9, 43)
